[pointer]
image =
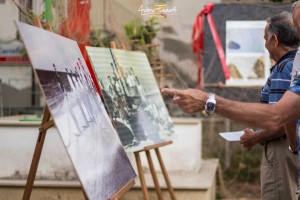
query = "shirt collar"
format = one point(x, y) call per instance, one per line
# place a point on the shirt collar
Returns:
point(290, 54)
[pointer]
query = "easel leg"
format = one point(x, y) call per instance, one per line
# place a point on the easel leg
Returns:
point(154, 176)
point(85, 195)
point(163, 168)
point(141, 175)
point(36, 157)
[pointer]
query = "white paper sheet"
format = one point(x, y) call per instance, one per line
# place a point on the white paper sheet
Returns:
point(232, 136)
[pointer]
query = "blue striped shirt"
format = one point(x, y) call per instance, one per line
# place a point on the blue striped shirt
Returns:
point(279, 80)
point(295, 88)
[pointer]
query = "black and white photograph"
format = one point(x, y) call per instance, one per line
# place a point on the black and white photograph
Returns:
point(132, 97)
point(78, 112)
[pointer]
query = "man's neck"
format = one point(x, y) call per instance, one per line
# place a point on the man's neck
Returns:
point(280, 53)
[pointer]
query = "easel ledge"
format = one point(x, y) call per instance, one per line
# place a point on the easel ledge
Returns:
point(154, 146)
point(123, 190)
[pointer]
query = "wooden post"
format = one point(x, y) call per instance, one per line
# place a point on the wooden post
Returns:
point(113, 45)
point(154, 176)
point(37, 22)
point(141, 175)
point(165, 173)
point(163, 168)
point(48, 27)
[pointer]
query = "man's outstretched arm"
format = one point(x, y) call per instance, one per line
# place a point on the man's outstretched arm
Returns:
point(252, 114)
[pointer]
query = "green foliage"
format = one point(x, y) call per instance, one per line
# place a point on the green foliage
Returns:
point(142, 33)
point(219, 195)
point(151, 28)
point(135, 31)
point(101, 38)
point(245, 166)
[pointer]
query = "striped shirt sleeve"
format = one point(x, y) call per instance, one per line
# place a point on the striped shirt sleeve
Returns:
point(277, 83)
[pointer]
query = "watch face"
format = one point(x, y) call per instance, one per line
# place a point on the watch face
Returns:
point(210, 107)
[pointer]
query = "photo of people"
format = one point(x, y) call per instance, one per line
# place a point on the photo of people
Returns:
point(132, 97)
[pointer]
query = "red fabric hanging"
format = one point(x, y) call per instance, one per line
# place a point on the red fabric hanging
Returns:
point(198, 41)
point(77, 24)
point(89, 65)
point(77, 27)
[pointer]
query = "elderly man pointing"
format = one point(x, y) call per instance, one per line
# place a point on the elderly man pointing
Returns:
point(271, 117)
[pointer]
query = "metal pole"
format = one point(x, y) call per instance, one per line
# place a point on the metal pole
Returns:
point(48, 14)
point(104, 14)
point(227, 146)
point(1, 99)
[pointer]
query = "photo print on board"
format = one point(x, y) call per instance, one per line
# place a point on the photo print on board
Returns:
point(247, 59)
point(79, 115)
point(132, 97)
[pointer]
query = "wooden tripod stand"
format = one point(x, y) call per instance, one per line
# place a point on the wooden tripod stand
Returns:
point(153, 172)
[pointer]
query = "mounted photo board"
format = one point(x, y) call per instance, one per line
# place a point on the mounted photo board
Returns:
point(132, 97)
point(247, 58)
point(235, 11)
point(92, 144)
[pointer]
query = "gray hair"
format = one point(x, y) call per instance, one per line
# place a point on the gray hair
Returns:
point(282, 26)
point(294, 5)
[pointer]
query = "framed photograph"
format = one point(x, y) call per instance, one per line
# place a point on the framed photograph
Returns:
point(247, 58)
point(78, 112)
point(132, 97)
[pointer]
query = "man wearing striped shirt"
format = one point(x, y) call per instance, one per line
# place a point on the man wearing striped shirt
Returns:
point(269, 116)
point(278, 166)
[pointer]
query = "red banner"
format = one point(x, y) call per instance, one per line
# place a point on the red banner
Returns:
point(198, 41)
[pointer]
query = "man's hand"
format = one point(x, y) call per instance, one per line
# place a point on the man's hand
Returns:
point(249, 139)
point(190, 100)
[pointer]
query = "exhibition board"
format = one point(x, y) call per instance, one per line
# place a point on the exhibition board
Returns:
point(132, 97)
point(96, 153)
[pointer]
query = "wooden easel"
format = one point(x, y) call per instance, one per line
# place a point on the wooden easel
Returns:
point(45, 125)
point(150, 162)
point(153, 172)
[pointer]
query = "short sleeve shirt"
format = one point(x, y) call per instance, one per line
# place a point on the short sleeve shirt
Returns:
point(295, 80)
point(279, 80)
point(295, 88)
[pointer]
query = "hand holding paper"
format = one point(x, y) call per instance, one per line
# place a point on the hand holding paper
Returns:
point(249, 139)
point(232, 136)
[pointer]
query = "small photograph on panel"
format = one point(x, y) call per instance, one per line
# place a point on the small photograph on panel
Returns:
point(247, 58)
point(132, 97)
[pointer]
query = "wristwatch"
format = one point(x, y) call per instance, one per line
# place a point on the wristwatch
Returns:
point(294, 152)
point(210, 104)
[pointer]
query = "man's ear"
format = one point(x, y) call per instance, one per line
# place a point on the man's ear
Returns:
point(275, 38)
